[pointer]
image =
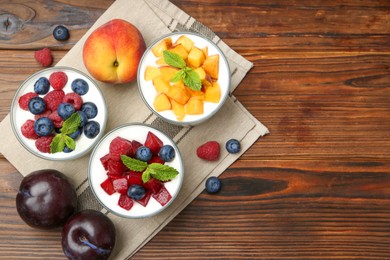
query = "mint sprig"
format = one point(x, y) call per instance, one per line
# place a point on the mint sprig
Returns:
point(158, 171)
point(62, 140)
point(187, 74)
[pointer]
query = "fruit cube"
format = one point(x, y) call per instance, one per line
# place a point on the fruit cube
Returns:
point(134, 178)
point(211, 65)
point(161, 102)
point(178, 109)
point(115, 169)
point(151, 72)
point(120, 185)
point(205, 51)
point(179, 94)
point(153, 185)
point(186, 42)
point(161, 46)
point(201, 73)
point(180, 50)
point(167, 72)
point(196, 94)
point(195, 57)
point(161, 62)
point(213, 93)
point(135, 144)
point(161, 85)
point(163, 196)
point(120, 146)
point(194, 106)
point(104, 160)
point(125, 202)
point(156, 159)
point(153, 142)
point(107, 186)
point(145, 200)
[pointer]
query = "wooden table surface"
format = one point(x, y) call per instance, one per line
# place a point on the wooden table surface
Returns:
point(317, 187)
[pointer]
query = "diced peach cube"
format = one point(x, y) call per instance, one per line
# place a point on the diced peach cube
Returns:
point(178, 109)
point(211, 66)
point(151, 72)
point(196, 94)
point(205, 51)
point(165, 44)
point(180, 50)
point(179, 94)
point(201, 73)
point(168, 72)
point(195, 57)
point(161, 102)
point(161, 85)
point(194, 106)
point(185, 41)
point(213, 93)
point(161, 62)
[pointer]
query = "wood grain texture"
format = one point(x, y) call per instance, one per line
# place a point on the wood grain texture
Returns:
point(317, 187)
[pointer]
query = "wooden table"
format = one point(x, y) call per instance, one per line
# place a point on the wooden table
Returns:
point(317, 187)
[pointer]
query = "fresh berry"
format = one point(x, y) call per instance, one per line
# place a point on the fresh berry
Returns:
point(58, 80)
point(213, 185)
point(107, 186)
point(209, 151)
point(145, 200)
point(134, 178)
point(163, 196)
point(76, 134)
point(120, 146)
point(61, 33)
point(74, 99)
point(143, 154)
point(44, 114)
point(120, 185)
point(56, 119)
point(153, 185)
point(167, 153)
point(44, 57)
point(136, 192)
point(233, 146)
point(65, 110)
point(42, 86)
point(80, 86)
point(84, 118)
point(156, 159)
point(125, 202)
point(90, 109)
point(28, 130)
point(24, 99)
point(43, 126)
point(43, 143)
point(53, 99)
point(92, 129)
point(37, 105)
point(153, 142)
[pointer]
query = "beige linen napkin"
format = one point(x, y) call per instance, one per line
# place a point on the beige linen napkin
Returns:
point(153, 18)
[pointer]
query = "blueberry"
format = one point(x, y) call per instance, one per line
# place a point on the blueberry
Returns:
point(213, 185)
point(90, 109)
point(80, 86)
point(65, 110)
point(61, 33)
point(167, 153)
point(84, 118)
point(67, 149)
point(136, 192)
point(91, 129)
point(43, 126)
point(143, 153)
point(76, 133)
point(42, 86)
point(36, 105)
point(233, 146)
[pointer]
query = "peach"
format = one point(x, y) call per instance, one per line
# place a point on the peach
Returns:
point(113, 51)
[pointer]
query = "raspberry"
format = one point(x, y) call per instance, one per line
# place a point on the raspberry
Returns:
point(120, 146)
point(209, 151)
point(44, 114)
point(28, 129)
point(53, 99)
point(74, 99)
point(58, 80)
point(23, 100)
point(43, 143)
point(44, 57)
point(57, 120)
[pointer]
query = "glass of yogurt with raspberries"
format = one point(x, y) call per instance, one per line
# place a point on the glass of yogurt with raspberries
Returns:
point(58, 113)
point(135, 171)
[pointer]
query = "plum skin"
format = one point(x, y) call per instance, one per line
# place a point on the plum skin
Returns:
point(88, 234)
point(46, 199)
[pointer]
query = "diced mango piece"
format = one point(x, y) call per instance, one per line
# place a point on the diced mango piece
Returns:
point(195, 57)
point(161, 62)
point(151, 72)
point(201, 73)
point(178, 109)
point(211, 66)
point(194, 106)
point(206, 51)
point(165, 44)
point(185, 41)
point(213, 93)
point(161, 85)
point(179, 50)
point(162, 102)
point(168, 72)
point(179, 94)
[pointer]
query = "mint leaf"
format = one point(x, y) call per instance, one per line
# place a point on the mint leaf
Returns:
point(173, 59)
point(178, 76)
point(146, 175)
point(192, 79)
point(69, 142)
point(57, 144)
point(134, 164)
point(71, 124)
point(162, 172)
